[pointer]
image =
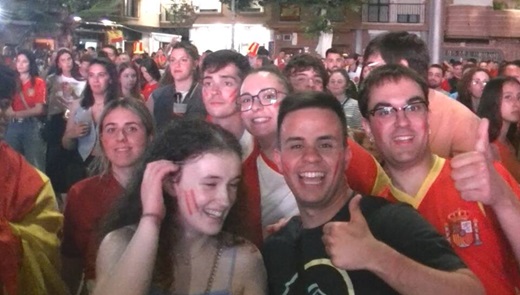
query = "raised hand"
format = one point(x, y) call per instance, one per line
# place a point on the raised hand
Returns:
point(350, 245)
point(155, 174)
point(474, 174)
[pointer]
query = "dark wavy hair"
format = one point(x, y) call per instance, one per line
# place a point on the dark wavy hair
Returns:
point(464, 96)
point(113, 86)
point(180, 141)
point(303, 62)
point(75, 68)
point(217, 60)
point(490, 108)
point(151, 67)
point(33, 67)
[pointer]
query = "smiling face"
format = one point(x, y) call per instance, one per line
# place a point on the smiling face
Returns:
point(123, 137)
point(220, 90)
point(260, 120)
point(182, 65)
point(206, 190)
point(402, 139)
point(98, 79)
point(510, 106)
point(334, 61)
point(337, 84)
point(312, 156)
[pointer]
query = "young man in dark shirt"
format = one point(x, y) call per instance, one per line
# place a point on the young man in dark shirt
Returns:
point(343, 243)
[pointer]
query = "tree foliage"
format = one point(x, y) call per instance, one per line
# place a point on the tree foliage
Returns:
point(56, 16)
point(319, 19)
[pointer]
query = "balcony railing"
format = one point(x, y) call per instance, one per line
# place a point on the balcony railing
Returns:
point(378, 12)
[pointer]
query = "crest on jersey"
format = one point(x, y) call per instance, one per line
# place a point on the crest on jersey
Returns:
point(461, 230)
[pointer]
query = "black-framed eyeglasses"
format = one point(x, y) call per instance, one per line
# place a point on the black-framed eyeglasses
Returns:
point(390, 112)
point(266, 97)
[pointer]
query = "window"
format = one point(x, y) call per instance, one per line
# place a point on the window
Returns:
point(131, 8)
point(408, 18)
point(255, 7)
point(207, 6)
point(378, 11)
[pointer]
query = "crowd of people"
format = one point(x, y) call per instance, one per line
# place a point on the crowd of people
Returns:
point(229, 174)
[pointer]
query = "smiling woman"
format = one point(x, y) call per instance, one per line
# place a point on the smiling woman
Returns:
point(125, 129)
point(165, 234)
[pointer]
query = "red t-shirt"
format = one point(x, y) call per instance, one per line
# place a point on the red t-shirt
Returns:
point(471, 228)
point(33, 94)
point(88, 202)
point(148, 89)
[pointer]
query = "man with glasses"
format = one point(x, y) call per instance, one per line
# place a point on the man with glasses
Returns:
point(343, 243)
point(453, 128)
point(29, 216)
point(469, 200)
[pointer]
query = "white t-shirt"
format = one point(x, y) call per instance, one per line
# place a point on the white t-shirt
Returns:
point(277, 200)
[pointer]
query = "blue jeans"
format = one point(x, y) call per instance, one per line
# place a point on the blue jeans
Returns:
point(24, 137)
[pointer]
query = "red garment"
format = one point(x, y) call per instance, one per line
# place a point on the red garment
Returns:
point(472, 229)
point(33, 95)
point(29, 226)
point(508, 159)
point(88, 201)
point(361, 174)
point(148, 89)
point(445, 85)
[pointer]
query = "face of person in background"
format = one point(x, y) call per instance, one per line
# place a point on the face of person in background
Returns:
point(128, 79)
point(477, 84)
point(260, 120)
point(112, 55)
point(65, 63)
point(22, 64)
point(182, 65)
point(337, 84)
point(510, 103)
point(307, 80)
point(434, 77)
point(123, 137)
point(334, 61)
point(220, 90)
point(98, 79)
point(122, 58)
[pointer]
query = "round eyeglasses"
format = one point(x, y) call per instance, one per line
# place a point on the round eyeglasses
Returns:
point(266, 97)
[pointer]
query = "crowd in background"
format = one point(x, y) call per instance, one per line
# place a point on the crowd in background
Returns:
point(150, 157)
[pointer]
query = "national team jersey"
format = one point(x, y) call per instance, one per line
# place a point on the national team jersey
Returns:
point(471, 228)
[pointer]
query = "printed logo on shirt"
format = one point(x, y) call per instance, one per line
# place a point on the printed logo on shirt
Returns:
point(325, 279)
point(461, 230)
point(30, 92)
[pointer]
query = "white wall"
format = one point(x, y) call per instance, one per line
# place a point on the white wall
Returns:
point(472, 2)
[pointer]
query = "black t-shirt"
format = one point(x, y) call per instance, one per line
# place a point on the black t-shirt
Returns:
point(294, 252)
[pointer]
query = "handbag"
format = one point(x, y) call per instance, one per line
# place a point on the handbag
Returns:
point(42, 120)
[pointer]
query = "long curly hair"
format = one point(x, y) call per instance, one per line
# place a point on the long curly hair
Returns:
point(181, 140)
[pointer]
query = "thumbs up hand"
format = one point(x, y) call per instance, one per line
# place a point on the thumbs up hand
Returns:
point(350, 245)
point(473, 172)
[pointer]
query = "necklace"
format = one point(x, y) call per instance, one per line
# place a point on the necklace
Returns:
point(214, 268)
point(211, 278)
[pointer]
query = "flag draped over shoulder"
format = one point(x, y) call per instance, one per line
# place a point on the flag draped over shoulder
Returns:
point(29, 227)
